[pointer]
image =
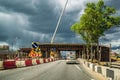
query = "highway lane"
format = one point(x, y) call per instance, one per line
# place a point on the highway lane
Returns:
point(57, 70)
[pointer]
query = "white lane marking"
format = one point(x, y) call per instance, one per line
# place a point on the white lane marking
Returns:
point(21, 79)
point(81, 70)
point(78, 68)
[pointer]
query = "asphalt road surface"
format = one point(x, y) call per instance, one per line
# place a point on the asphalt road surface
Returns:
point(57, 70)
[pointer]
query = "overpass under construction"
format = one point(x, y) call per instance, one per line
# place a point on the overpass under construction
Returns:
point(81, 50)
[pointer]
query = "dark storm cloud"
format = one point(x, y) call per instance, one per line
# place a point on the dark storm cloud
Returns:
point(22, 6)
point(35, 20)
point(49, 21)
point(113, 3)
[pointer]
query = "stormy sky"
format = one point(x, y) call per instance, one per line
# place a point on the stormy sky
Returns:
point(24, 21)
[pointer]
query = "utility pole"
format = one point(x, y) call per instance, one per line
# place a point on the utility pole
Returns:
point(110, 56)
point(12, 50)
point(53, 37)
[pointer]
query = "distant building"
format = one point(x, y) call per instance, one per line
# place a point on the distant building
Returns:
point(4, 52)
point(113, 53)
point(4, 47)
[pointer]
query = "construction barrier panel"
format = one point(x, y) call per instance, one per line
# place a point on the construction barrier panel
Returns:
point(44, 60)
point(9, 64)
point(51, 59)
point(22, 63)
point(48, 59)
point(38, 61)
point(28, 62)
point(1, 65)
point(18, 64)
point(34, 62)
point(41, 61)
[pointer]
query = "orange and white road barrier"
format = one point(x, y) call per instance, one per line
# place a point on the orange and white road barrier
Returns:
point(34, 62)
point(1, 65)
point(41, 61)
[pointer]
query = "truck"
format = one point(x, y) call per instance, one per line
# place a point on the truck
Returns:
point(71, 57)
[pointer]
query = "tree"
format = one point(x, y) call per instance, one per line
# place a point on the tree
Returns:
point(97, 19)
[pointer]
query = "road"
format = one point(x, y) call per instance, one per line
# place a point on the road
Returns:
point(57, 70)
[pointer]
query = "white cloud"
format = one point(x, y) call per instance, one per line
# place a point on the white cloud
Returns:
point(3, 43)
point(71, 5)
point(115, 43)
point(113, 38)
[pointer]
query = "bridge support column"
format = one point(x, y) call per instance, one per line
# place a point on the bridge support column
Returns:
point(77, 54)
point(59, 55)
point(47, 54)
point(80, 53)
point(43, 54)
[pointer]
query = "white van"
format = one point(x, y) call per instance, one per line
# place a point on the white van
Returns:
point(70, 57)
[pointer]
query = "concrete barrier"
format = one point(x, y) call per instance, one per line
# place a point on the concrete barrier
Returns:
point(107, 72)
point(95, 68)
point(110, 74)
point(104, 71)
point(117, 74)
point(1, 65)
point(91, 66)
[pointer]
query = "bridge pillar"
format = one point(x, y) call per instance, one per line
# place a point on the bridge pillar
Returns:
point(47, 53)
point(59, 54)
point(43, 54)
point(77, 54)
point(80, 53)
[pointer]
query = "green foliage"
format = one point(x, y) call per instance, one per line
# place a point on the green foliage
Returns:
point(97, 18)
